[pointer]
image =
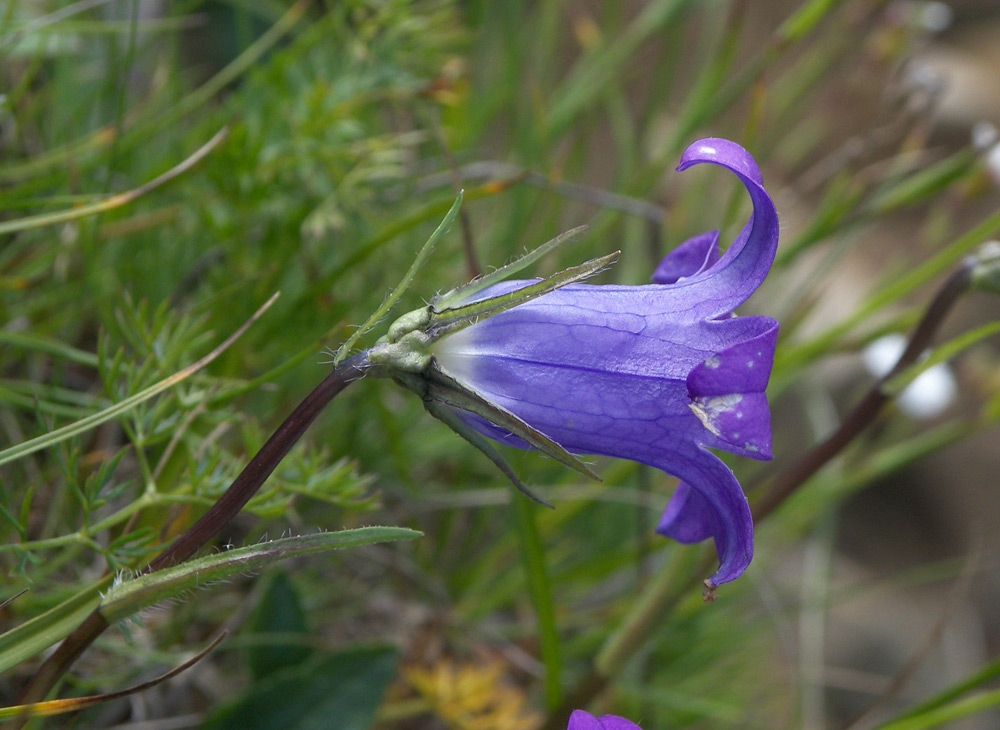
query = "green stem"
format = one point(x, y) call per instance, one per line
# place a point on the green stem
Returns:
point(85, 536)
point(540, 588)
point(659, 595)
point(215, 519)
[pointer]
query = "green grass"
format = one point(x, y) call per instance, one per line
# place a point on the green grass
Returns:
point(345, 126)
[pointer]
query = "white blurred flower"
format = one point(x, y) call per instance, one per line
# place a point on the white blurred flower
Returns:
point(935, 17)
point(927, 396)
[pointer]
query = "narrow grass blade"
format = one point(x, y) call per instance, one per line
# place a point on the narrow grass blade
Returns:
point(984, 675)
point(540, 589)
point(114, 201)
point(947, 713)
point(49, 346)
point(940, 354)
point(73, 429)
point(74, 704)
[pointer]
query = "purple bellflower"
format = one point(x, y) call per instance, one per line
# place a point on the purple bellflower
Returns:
point(657, 374)
point(581, 720)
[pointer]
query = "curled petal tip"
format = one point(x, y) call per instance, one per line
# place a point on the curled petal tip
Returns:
point(657, 374)
point(709, 503)
point(719, 289)
point(722, 152)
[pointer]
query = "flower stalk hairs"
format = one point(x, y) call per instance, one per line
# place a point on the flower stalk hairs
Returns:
point(658, 373)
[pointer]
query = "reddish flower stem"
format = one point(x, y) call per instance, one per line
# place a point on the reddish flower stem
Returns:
point(871, 405)
point(243, 488)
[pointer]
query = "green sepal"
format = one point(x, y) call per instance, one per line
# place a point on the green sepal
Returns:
point(456, 424)
point(397, 292)
point(406, 346)
point(448, 320)
point(436, 385)
point(463, 292)
point(404, 354)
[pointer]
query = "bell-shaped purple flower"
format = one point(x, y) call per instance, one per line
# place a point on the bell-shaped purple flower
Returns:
point(657, 374)
point(583, 720)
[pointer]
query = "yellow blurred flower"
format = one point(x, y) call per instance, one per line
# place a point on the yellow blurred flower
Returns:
point(473, 696)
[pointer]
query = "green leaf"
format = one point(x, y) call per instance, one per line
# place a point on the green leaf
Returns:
point(130, 596)
point(41, 632)
point(279, 614)
point(341, 690)
point(85, 424)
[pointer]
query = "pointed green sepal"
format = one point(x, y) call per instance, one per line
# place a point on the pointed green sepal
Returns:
point(456, 424)
point(396, 293)
point(462, 293)
point(443, 388)
point(406, 346)
point(448, 320)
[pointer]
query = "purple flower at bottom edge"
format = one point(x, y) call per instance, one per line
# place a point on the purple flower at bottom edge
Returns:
point(657, 373)
point(581, 720)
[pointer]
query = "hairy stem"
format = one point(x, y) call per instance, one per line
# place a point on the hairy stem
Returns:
point(243, 488)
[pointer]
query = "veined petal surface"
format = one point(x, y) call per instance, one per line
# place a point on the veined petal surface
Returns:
point(657, 373)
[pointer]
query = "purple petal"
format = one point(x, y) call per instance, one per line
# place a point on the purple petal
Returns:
point(691, 257)
point(656, 374)
point(582, 720)
point(688, 518)
point(585, 368)
point(709, 501)
point(723, 287)
point(727, 390)
point(744, 366)
point(613, 722)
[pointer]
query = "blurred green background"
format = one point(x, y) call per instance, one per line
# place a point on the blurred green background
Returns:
point(337, 136)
